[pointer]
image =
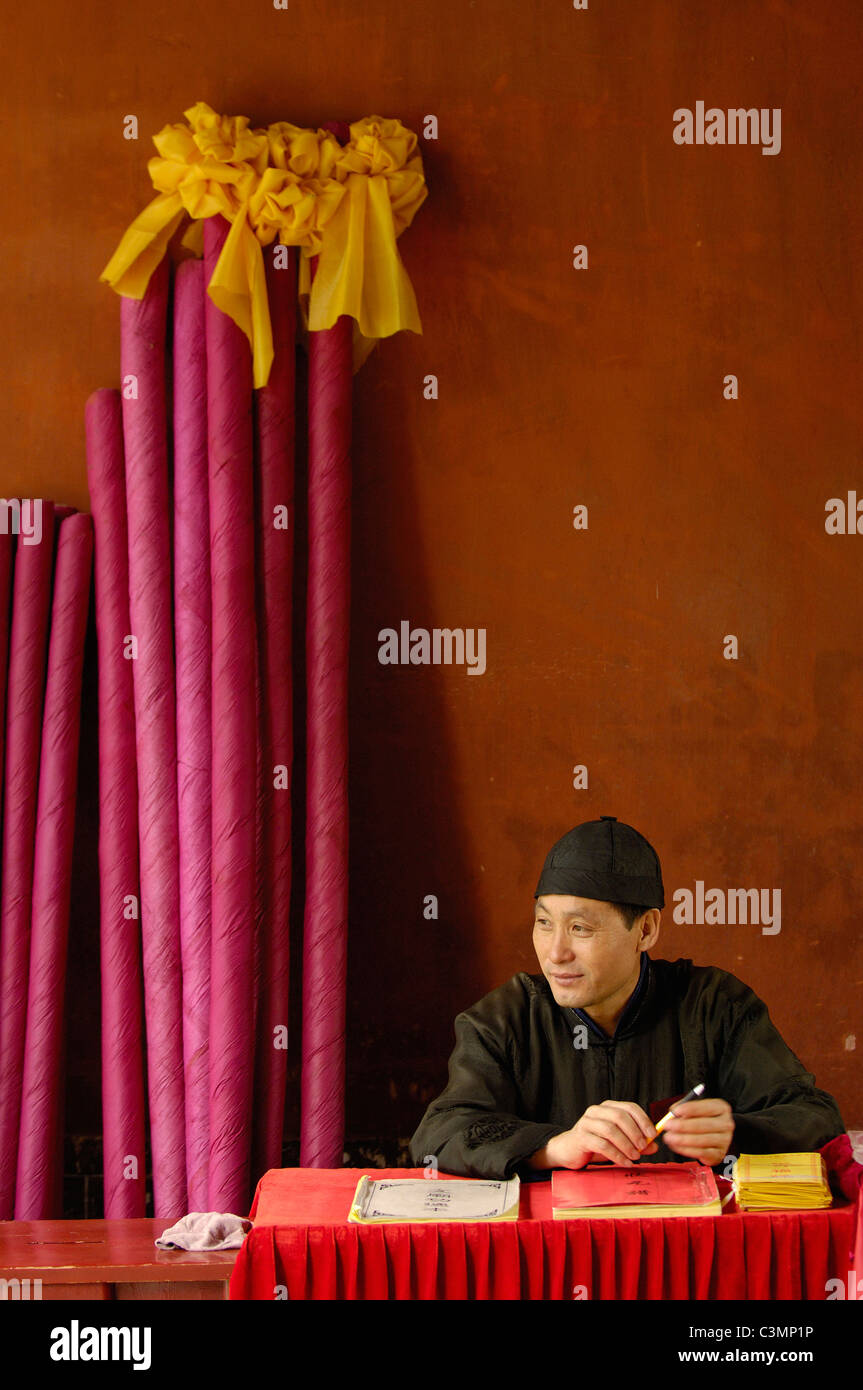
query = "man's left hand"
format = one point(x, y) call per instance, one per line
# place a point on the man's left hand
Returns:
point(701, 1129)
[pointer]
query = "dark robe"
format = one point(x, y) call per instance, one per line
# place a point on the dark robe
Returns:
point(524, 1068)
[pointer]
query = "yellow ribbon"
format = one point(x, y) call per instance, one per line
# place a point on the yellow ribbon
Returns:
point(359, 270)
point(347, 206)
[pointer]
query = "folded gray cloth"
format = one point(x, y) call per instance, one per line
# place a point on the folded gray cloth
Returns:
point(205, 1230)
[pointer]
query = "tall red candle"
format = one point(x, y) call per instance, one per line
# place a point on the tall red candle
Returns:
point(28, 645)
point(192, 609)
point(38, 1190)
point(119, 889)
point(276, 415)
point(327, 642)
point(143, 346)
point(232, 581)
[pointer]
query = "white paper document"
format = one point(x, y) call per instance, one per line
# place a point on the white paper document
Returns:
point(418, 1199)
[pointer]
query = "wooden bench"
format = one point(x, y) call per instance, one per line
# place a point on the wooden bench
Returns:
point(106, 1260)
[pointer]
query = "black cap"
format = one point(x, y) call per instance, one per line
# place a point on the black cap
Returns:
point(607, 860)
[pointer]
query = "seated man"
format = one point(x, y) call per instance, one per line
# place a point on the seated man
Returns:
point(560, 1069)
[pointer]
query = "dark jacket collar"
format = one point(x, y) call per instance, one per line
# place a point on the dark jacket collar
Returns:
point(639, 1007)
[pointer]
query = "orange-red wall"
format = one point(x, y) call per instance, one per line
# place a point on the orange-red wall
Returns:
point(557, 387)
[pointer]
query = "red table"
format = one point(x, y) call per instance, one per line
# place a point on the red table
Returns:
point(303, 1247)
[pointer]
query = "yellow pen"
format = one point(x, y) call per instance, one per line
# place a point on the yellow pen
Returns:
point(669, 1115)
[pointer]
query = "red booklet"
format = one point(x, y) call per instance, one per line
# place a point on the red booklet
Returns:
point(677, 1185)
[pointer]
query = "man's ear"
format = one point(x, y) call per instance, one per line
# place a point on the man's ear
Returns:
point(650, 928)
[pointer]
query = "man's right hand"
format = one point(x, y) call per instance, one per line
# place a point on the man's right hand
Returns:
point(617, 1131)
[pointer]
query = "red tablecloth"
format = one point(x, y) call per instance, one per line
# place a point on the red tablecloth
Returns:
point(303, 1244)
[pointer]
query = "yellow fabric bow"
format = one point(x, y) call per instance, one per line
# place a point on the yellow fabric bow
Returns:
point(347, 206)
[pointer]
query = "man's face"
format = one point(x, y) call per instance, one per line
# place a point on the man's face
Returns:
point(584, 950)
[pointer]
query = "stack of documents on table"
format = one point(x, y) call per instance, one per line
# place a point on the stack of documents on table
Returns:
point(421, 1199)
point(649, 1189)
point(765, 1182)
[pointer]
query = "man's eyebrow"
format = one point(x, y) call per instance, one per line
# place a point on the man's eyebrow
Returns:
point(588, 917)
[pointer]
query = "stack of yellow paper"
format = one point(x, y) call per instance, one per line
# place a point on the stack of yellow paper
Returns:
point(765, 1182)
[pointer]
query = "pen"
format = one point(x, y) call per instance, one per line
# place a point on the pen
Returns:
point(669, 1115)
